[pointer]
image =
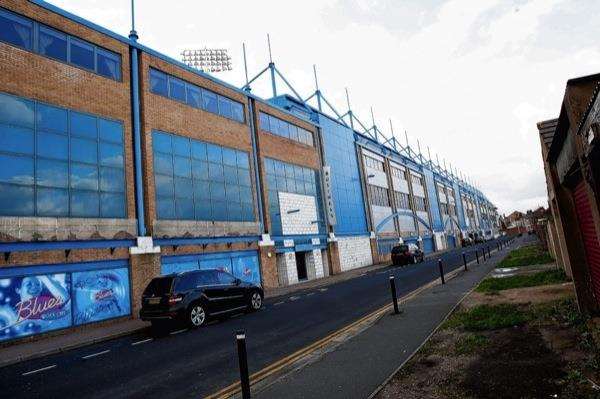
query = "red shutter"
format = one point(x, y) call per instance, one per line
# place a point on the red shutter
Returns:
point(590, 237)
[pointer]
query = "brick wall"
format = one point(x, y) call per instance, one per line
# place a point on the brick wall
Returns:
point(354, 252)
point(300, 222)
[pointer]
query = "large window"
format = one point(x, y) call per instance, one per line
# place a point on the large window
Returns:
point(399, 173)
point(289, 178)
point(285, 129)
point(34, 36)
point(194, 96)
point(378, 195)
point(59, 162)
point(402, 200)
point(373, 163)
point(195, 180)
point(420, 204)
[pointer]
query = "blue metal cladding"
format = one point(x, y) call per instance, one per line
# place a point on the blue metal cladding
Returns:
point(428, 245)
point(340, 155)
point(460, 212)
point(434, 207)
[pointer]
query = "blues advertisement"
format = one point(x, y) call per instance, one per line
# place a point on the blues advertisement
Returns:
point(100, 295)
point(247, 269)
point(34, 304)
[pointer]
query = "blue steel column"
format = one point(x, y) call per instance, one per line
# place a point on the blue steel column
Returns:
point(137, 139)
point(257, 180)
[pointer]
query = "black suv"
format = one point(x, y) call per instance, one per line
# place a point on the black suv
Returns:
point(193, 296)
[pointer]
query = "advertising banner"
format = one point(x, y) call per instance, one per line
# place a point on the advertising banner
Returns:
point(34, 304)
point(247, 269)
point(100, 295)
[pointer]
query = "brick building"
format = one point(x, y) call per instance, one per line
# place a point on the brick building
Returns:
point(119, 164)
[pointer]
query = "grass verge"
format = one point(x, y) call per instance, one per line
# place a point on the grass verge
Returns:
point(546, 277)
point(526, 256)
point(487, 317)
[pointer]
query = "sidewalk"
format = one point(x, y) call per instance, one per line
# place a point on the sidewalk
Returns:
point(357, 367)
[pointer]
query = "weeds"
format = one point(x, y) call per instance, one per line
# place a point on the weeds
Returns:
point(486, 317)
point(470, 344)
point(526, 256)
point(528, 280)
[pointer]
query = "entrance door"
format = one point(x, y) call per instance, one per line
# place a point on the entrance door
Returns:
point(590, 237)
point(301, 265)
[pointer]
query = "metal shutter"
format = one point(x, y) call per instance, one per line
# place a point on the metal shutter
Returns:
point(590, 237)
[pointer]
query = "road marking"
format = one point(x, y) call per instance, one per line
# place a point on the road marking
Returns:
point(141, 342)
point(382, 272)
point(310, 293)
point(95, 354)
point(278, 303)
point(39, 370)
point(178, 331)
point(294, 298)
point(323, 289)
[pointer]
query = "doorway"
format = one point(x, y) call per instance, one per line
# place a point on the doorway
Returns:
point(301, 266)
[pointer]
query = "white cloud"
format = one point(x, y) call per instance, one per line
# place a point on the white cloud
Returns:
point(470, 78)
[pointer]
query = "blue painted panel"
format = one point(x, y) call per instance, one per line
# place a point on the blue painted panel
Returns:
point(428, 245)
point(433, 201)
point(451, 242)
point(459, 207)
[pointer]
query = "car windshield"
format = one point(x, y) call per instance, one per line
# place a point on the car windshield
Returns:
point(400, 248)
point(159, 286)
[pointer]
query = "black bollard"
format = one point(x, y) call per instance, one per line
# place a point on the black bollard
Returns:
point(394, 296)
point(240, 337)
point(441, 267)
point(465, 261)
point(489, 253)
point(477, 256)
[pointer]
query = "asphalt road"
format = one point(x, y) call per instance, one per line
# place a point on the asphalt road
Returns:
point(195, 363)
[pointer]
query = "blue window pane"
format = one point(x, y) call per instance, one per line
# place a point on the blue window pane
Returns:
point(111, 155)
point(112, 205)
point(242, 160)
point(109, 64)
point(229, 157)
point(215, 172)
point(158, 83)
point(217, 191)
point(176, 89)
point(14, 169)
point(165, 208)
point(182, 166)
point(264, 121)
point(16, 139)
point(274, 124)
point(209, 102)
point(52, 43)
point(85, 204)
point(237, 111)
point(84, 177)
point(200, 170)
point(181, 146)
point(53, 118)
point(164, 185)
point(16, 111)
point(230, 173)
point(161, 142)
point(183, 188)
point(203, 210)
point(84, 150)
point(289, 170)
point(271, 182)
point(83, 125)
point(16, 200)
point(163, 163)
point(219, 210)
point(198, 150)
point(82, 54)
point(52, 173)
point(184, 208)
point(284, 129)
point(16, 30)
point(201, 191)
point(232, 192)
point(110, 130)
point(246, 195)
point(247, 213)
point(194, 96)
point(52, 202)
point(112, 179)
point(214, 153)
point(225, 107)
point(293, 132)
point(234, 212)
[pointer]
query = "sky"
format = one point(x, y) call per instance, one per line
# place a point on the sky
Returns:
point(467, 78)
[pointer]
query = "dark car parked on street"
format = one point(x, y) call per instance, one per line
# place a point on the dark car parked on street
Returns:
point(404, 254)
point(194, 296)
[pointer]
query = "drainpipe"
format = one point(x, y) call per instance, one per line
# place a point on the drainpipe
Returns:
point(137, 138)
point(257, 179)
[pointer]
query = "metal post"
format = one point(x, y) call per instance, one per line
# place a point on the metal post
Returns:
point(489, 252)
point(394, 296)
point(240, 337)
point(465, 260)
point(483, 252)
point(477, 256)
point(441, 267)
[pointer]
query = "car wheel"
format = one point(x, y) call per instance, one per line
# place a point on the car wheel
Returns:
point(196, 315)
point(255, 301)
